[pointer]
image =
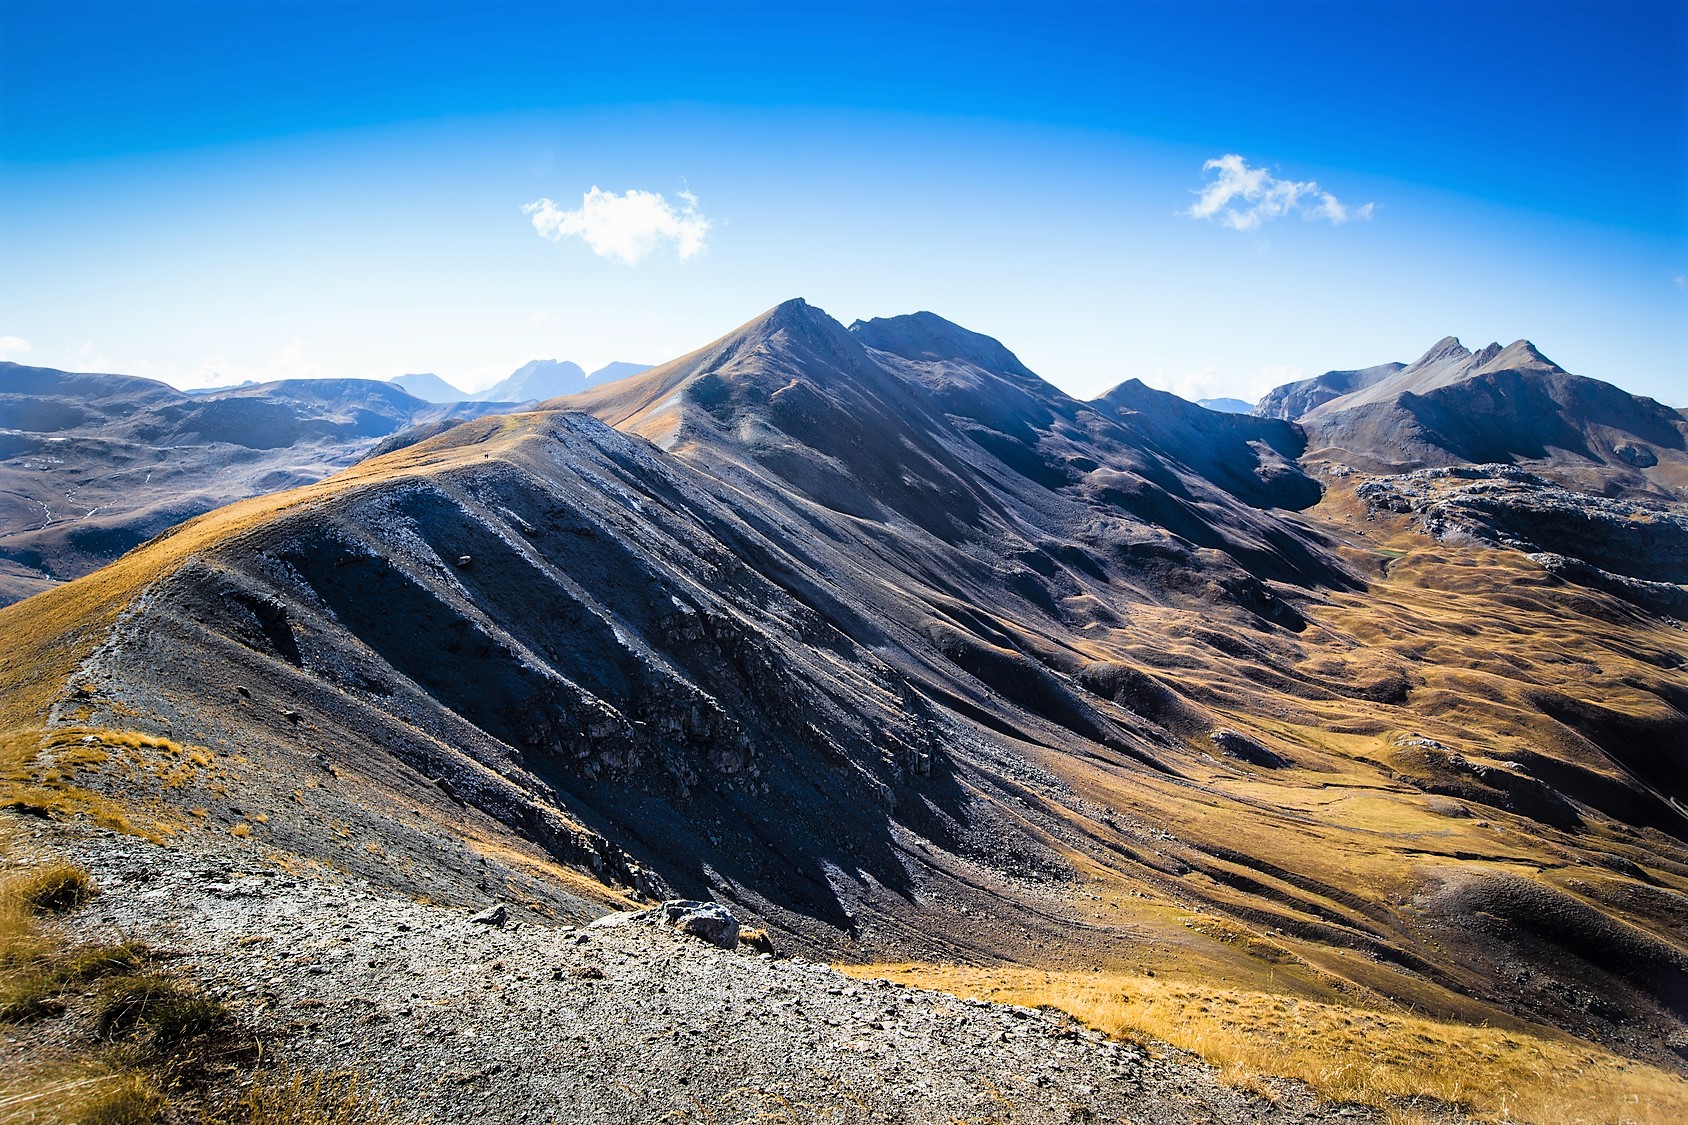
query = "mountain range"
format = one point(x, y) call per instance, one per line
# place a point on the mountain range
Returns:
point(1509, 405)
point(538, 379)
point(91, 464)
point(905, 654)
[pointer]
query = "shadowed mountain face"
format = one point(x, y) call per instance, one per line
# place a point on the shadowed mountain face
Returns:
point(1507, 405)
point(878, 636)
point(92, 465)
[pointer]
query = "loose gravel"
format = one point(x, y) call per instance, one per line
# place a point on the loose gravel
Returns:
point(453, 1019)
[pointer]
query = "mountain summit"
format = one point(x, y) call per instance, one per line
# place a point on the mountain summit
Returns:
point(1446, 364)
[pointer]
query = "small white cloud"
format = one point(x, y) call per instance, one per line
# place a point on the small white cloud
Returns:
point(12, 346)
point(1205, 383)
point(1276, 375)
point(1210, 382)
point(626, 227)
point(1242, 198)
point(1680, 281)
point(291, 362)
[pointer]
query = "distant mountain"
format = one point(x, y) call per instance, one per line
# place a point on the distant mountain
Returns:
point(1292, 400)
point(610, 372)
point(1507, 405)
point(221, 389)
point(1226, 405)
point(539, 379)
point(91, 465)
point(429, 388)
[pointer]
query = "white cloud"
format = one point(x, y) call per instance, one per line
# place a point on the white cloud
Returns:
point(626, 227)
point(89, 357)
point(1266, 197)
point(1210, 382)
point(11, 347)
point(1680, 281)
point(290, 362)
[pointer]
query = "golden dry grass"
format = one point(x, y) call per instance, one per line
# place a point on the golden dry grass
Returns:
point(83, 1091)
point(39, 774)
point(306, 1098)
point(1344, 1053)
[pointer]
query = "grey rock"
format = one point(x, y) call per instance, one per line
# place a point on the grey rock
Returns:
point(492, 916)
point(708, 921)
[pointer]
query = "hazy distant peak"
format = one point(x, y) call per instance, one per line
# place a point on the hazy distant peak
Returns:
point(617, 369)
point(546, 366)
point(429, 388)
point(1226, 405)
point(537, 379)
point(927, 336)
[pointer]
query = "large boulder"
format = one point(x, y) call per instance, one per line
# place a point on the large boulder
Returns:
point(708, 921)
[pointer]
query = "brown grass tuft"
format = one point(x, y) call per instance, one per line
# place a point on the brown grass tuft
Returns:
point(54, 889)
point(164, 1009)
point(759, 940)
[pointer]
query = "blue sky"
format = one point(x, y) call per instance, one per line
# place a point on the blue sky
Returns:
point(215, 191)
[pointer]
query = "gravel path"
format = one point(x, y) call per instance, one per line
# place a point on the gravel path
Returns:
point(458, 1020)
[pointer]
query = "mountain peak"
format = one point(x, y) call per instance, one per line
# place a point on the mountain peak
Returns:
point(796, 318)
point(1520, 355)
point(925, 336)
point(547, 366)
point(428, 387)
point(1442, 351)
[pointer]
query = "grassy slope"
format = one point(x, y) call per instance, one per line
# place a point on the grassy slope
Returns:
point(1376, 1056)
point(1483, 635)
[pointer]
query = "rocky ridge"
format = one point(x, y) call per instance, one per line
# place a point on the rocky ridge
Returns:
point(1635, 548)
point(898, 650)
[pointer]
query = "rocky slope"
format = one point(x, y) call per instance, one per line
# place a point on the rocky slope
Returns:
point(516, 1022)
point(1635, 548)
